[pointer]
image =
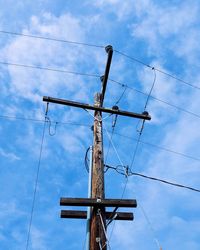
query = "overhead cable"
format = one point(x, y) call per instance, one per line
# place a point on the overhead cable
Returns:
point(51, 39)
point(142, 126)
point(36, 185)
point(49, 69)
point(156, 99)
point(116, 133)
point(157, 69)
point(101, 46)
point(97, 76)
point(164, 181)
point(130, 173)
point(41, 120)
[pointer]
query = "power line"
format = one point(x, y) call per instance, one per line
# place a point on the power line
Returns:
point(41, 120)
point(130, 173)
point(101, 46)
point(125, 184)
point(164, 181)
point(156, 99)
point(150, 226)
point(159, 147)
point(49, 69)
point(133, 59)
point(36, 185)
point(157, 69)
point(116, 133)
point(142, 126)
point(51, 39)
point(151, 89)
point(126, 172)
point(97, 76)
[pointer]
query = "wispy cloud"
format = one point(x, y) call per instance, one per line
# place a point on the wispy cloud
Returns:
point(9, 155)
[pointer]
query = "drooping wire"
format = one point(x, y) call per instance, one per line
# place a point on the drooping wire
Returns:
point(36, 180)
point(165, 181)
point(50, 125)
point(130, 173)
point(51, 39)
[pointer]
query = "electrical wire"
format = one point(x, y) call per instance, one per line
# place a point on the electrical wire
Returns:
point(101, 46)
point(130, 173)
point(159, 147)
point(97, 76)
point(36, 185)
point(157, 99)
point(157, 69)
point(165, 181)
point(116, 133)
point(104, 230)
point(119, 169)
point(41, 120)
point(133, 59)
point(119, 99)
point(109, 144)
point(55, 127)
point(99, 120)
point(142, 127)
point(110, 139)
point(51, 39)
point(150, 226)
point(125, 185)
point(49, 69)
point(151, 89)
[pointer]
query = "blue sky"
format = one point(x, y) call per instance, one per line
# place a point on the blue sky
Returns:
point(165, 35)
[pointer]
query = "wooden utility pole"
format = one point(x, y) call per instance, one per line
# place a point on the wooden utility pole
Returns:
point(98, 224)
point(97, 201)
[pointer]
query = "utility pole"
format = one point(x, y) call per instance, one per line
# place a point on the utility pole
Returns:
point(97, 226)
point(98, 218)
point(97, 201)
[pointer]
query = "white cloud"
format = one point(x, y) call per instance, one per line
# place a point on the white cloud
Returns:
point(10, 156)
point(30, 83)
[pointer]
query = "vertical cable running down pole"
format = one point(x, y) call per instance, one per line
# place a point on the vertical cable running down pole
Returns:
point(89, 196)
